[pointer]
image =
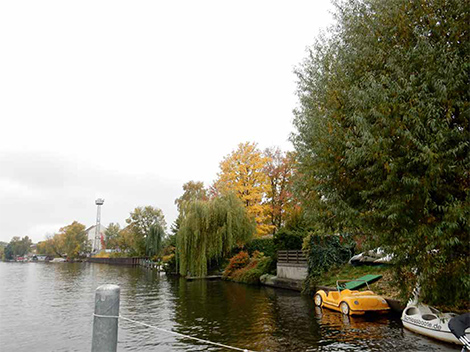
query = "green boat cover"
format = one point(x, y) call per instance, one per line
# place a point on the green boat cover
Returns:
point(352, 285)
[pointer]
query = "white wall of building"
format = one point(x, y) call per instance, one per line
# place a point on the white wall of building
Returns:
point(91, 232)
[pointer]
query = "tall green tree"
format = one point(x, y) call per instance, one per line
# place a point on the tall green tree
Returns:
point(52, 246)
point(111, 235)
point(71, 241)
point(141, 221)
point(19, 246)
point(3, 245)
point(126, 242)
point(75, 240)
point(154, 241)
point(9, 254)
point(279, 169)
point(210, 230)
point(193, 190)
point(383, 136)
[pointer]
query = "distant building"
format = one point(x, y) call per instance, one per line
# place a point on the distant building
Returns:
point(91, 232)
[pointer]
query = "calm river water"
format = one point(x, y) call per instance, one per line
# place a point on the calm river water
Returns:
point(49, 307)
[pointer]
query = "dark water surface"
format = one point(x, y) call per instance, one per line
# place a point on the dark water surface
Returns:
point(49, 307)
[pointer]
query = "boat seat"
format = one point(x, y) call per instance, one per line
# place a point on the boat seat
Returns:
point(334, 294)
point(412, 311)
point(428, 317)
point(362, 293)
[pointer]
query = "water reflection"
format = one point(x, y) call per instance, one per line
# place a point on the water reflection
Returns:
point(370, 332)
point(335, 326)
point(228, 313)
point(48, 307)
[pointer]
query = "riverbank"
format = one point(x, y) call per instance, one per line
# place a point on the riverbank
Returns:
point(384, 286)
point(134, 261)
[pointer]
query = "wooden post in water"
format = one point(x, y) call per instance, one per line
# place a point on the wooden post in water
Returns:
point(105, 321)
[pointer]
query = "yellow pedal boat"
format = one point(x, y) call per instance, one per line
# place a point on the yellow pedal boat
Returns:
point(351, 302)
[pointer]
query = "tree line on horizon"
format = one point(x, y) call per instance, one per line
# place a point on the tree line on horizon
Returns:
point(257, 183)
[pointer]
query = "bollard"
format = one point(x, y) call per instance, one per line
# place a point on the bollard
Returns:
point(105, 321)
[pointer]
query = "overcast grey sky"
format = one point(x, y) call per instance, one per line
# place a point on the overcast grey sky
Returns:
point(128, 100)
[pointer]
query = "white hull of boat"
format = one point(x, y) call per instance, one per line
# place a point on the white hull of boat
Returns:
point(442, 335)
point(428, 321)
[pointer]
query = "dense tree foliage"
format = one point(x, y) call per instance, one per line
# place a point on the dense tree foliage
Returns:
point(263, 245)
point(126, 243)
point(17, 247)
point(286, 239)
point(210, 230)
point(52, 246)
point(279, 169)
point(8, 252)
point(75, 239)
point(383, 136)
point(111, 235)
point(140, 221)
point(71, 241)
point(242, 172)
point(154, 241)
point(323, 253)
point(192, 191)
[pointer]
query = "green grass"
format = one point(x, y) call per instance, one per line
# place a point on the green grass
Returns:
point(384, 286)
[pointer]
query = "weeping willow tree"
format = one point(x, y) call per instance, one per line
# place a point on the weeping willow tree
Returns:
point(154, 239)
point(210, 230)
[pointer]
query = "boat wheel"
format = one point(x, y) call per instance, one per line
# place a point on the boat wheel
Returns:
point(318, 300)
point(344, 308)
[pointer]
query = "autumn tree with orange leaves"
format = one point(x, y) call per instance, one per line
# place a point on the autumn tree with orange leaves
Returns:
point(243, 173)
point(279, 170)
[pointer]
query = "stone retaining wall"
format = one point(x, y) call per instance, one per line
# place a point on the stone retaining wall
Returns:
point(292, 271)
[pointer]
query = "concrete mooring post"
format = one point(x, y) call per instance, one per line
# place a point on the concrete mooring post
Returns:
point(105, 321)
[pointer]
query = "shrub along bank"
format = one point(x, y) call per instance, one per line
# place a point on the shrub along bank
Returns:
point(259, 256)
point(246, 269)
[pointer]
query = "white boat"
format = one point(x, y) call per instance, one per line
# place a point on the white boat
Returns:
point(372, 257)
point(57, 260)
point(429, 321)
